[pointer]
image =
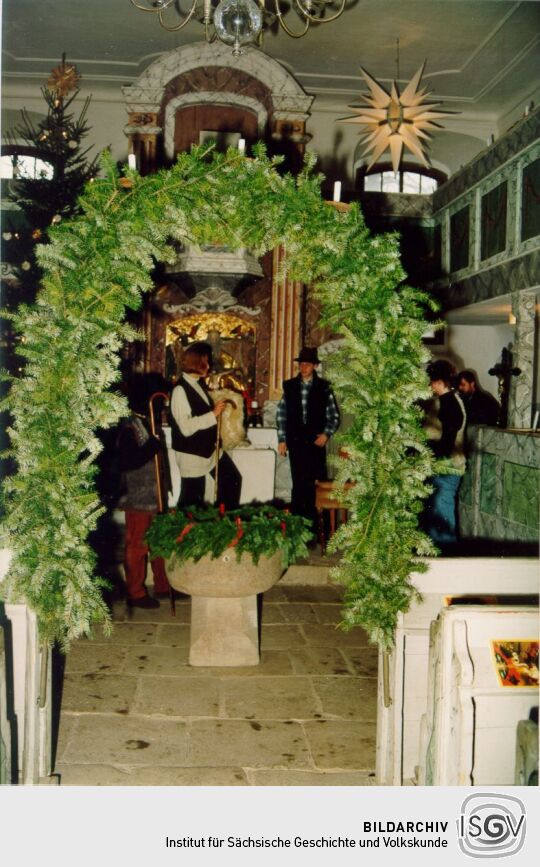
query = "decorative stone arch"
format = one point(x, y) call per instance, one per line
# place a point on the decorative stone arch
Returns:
point(202, 73)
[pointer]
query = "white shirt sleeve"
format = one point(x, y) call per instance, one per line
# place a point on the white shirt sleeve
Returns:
point(181, 411)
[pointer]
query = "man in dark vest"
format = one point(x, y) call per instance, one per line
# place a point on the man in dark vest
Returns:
point(307, 416)
point(194, 433)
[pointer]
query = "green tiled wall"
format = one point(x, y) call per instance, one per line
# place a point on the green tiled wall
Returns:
point(488, 481)
point(521, 494)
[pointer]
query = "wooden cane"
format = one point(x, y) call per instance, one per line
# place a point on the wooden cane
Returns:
point(157, 469)
point(218, 437)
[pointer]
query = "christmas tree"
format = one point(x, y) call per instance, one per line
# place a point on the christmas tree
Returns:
point(50, 193)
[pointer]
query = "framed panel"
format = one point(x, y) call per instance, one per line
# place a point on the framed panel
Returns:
point(530, 201)
point(459, 239)
point(493, 221)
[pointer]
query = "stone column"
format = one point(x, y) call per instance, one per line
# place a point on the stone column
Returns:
point(521, 386)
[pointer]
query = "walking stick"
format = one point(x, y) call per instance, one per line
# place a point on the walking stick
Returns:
point(157, 466)
point(218, 437)
point(157, 469)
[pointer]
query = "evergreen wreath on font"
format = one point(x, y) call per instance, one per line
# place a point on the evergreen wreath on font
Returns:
point(98, 264)
point(190, 534)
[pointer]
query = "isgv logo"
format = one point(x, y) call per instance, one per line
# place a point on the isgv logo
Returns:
point(491, 825)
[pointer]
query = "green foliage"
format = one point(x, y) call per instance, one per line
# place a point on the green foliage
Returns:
point(189, 534)
point(98, 264)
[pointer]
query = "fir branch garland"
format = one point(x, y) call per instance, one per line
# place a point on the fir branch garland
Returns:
point(98, 264)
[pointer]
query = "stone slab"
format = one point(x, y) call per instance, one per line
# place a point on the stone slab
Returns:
point(130, 633)
point(319, 660)
point(98, 693)
point(85, 656)
point(298, 612)
point(275, 662)
point(324, 635)
point(158, 659)
point(364, 662)
point(329, 613)
point(108, 739)
point(107, 775)
point(313, 594)
point(271, 698)
point(248, 744)
point(178, 696)
point(305, 574)
point(310, 778)
point(281, 637)
point(173, 635)
point(271, 613)
point(65, 730)
point(347, 697)
point(342, 744)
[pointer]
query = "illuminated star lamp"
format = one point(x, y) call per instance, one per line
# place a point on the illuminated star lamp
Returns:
point(397, 120)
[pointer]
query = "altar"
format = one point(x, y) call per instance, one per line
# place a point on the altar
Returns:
point(256, 463)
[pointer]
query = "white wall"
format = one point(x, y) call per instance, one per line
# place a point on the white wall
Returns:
point(478, 348)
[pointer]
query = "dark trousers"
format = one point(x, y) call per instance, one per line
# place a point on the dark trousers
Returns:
point(308, 465)
point(229, 486)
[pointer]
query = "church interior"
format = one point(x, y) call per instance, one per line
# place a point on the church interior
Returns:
point(323, 707)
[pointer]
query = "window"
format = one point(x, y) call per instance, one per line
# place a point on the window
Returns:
point(20, 165)
point(411, 179)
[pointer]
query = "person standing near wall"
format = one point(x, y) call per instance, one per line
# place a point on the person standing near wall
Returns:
point(480, 405)
point(136, 449)
point(194, 429)
point(446, 439)
point(307, 416)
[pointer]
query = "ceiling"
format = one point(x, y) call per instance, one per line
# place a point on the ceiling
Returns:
point(482, 56)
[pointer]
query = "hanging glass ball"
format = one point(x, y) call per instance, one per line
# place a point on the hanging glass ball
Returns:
point(237, 22)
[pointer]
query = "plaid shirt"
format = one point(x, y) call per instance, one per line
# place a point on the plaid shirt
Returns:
point(332, 412)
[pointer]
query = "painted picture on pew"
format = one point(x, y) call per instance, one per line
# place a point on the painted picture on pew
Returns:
point(516, 662)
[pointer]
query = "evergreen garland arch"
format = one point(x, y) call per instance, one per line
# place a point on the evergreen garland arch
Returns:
point(98, 265)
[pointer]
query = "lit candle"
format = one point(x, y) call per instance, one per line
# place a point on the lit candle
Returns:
point(242, 145)
point(337, 191)
point(132, 161)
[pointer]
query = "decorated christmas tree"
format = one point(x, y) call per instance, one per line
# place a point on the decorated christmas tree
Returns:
point(49, 193)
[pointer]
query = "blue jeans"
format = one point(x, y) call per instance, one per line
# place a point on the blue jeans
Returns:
point(441, 509)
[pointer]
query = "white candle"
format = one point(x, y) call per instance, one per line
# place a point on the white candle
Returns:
point(132, 161)
point(337, 191)
point(242, 145)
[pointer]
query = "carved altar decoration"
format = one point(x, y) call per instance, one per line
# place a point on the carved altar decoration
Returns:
point(184, 98)
point(233, 342)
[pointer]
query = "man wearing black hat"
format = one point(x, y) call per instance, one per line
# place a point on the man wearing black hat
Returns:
point(307, 416)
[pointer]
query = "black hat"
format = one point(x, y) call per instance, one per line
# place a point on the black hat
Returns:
point(308, 353)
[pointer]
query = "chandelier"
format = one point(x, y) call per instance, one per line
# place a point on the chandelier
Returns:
point(239, 22)
point(396, 120)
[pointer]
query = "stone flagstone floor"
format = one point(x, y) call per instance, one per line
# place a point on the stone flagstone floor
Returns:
point(135, 713)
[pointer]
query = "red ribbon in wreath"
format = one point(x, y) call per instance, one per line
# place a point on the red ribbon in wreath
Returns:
point(239, 533)
point(184, 532)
